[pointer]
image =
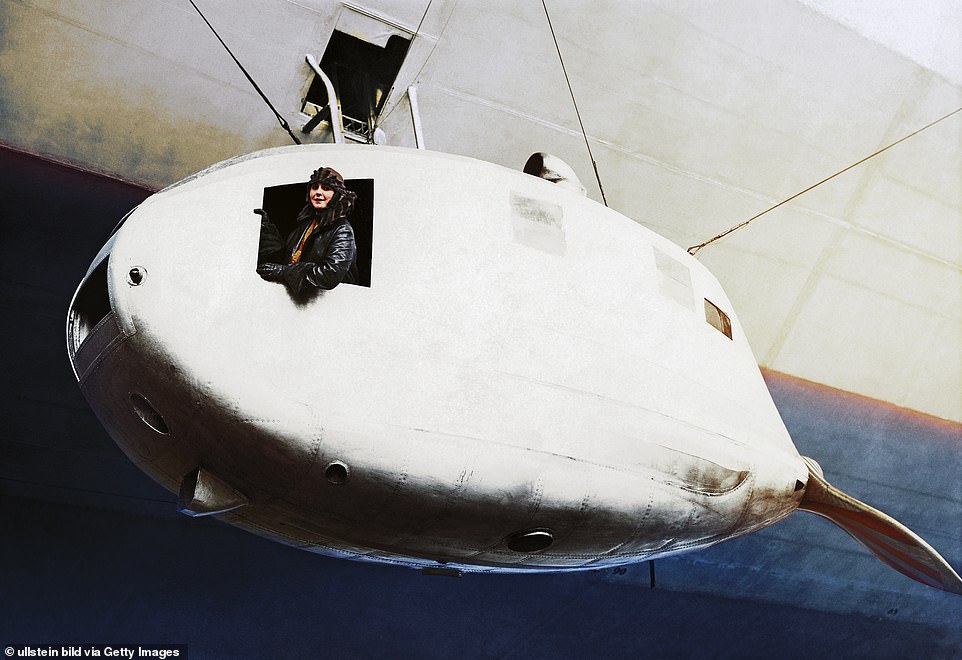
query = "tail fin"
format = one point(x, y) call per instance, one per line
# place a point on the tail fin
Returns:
point(888, 539)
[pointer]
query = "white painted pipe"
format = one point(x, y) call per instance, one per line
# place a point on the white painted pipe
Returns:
point(416, 116)
point(337, 125)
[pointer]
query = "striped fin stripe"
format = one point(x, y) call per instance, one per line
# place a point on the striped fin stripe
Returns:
point(888, 539)
point(911, 552)
point(910, 560)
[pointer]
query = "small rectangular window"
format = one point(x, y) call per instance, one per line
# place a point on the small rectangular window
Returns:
point(717, 318)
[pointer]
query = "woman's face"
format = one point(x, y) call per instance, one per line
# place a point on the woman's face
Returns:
point(320, 196)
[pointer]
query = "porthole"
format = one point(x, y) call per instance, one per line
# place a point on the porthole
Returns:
point(136, 275)
point(147, 414)
point(533, 540)
point(337, 473)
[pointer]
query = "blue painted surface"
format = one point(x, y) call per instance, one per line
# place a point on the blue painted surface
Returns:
point(91, 551)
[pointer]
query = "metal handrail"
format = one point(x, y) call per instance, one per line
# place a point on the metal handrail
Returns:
point(337, 122)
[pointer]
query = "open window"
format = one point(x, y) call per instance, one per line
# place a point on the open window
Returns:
point(363, 74)
point(90, 306)
point(717, 318)
point(283, 203)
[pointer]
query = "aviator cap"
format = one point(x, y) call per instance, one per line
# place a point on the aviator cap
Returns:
point(327, 177)
point(343, 201)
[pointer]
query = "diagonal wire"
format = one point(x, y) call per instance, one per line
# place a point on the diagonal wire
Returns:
point(695, 248)
point(280, 119)
point(575, 103)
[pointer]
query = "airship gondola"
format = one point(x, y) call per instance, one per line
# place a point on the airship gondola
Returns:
point(521, 379)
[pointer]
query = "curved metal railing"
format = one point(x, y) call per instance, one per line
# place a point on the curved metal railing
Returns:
point(337, 121)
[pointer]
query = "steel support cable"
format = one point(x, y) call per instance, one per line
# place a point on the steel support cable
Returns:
point(417, 34)
point(695, 248)
point(417, 30)
point(280, 118)
point(414, 36)
point(575, 103)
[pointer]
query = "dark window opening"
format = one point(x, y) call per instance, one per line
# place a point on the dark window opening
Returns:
point(362, 73)
point(91, 305)
point(283, 203)
point(717, 318)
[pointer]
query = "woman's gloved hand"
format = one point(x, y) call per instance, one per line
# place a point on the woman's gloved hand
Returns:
point(272, 272)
